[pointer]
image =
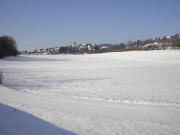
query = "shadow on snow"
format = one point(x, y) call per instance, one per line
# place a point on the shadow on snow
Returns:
point(46, 83)
point(30, 58)
point(16, 122)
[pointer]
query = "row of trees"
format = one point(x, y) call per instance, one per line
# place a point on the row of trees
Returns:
point(148, 44)
point(173, 40)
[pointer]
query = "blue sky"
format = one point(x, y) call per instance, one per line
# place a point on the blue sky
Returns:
point(49, 23)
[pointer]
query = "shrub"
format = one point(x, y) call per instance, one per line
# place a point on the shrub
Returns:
point(7, 46)
point(0, 78)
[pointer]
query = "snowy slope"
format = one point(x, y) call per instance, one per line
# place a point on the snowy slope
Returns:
point(114, 93)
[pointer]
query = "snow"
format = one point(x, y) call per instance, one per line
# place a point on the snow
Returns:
point(155, 43)
point(129, 93)
point(168, 37)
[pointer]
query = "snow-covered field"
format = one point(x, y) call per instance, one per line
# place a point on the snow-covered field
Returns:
point(123, 93)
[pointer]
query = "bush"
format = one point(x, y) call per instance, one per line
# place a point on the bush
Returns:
point(7, 46)
point(0, 78)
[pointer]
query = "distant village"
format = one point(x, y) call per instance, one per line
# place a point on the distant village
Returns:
point(161, 43)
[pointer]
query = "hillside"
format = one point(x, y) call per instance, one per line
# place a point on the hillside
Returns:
point(161, 43)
